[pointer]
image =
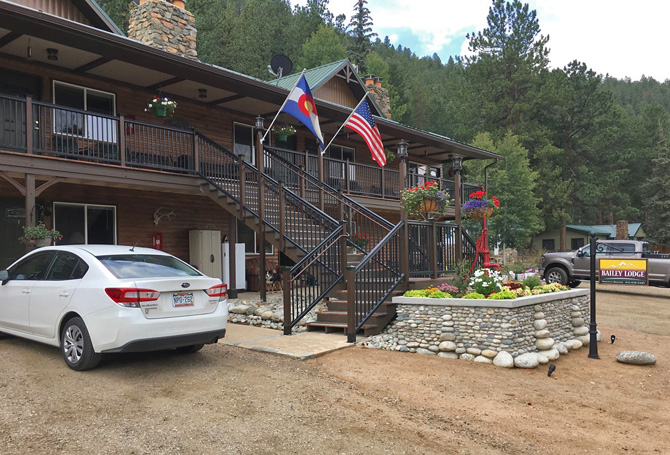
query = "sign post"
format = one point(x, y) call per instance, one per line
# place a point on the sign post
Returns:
point(593, 333)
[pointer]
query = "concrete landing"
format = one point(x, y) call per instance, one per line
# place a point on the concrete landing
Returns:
point(302, 346)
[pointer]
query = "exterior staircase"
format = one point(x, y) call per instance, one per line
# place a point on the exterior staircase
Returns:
point(311, 222)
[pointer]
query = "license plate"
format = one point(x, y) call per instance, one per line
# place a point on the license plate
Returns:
point(182, 299)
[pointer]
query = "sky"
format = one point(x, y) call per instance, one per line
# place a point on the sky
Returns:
point(615, 37)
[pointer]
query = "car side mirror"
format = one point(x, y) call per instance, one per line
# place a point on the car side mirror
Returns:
point(4, 276)
point(580, 254)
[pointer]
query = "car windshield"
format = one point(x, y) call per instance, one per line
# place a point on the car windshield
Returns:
point(146, 266)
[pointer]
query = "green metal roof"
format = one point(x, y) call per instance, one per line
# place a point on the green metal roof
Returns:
point(604, 229)
point(315, 77)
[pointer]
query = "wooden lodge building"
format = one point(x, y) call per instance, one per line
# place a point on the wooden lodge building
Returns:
point(80, 152)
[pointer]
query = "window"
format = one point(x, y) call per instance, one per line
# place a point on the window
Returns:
point(85, 223)
point(248, 236)
point(340, 152)
point(67, 266)
point(548, 244)
point(84, 99)
point(129, 266)
point(32, 268)
point(243, 137)
point(576, 243)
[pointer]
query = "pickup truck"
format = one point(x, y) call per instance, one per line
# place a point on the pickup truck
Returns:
point(573, 266)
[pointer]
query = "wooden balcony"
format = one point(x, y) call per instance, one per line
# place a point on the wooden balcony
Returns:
point(88, 137)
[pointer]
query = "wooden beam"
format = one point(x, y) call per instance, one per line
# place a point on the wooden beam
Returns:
point(160, 85)
point(9, 37)
point(227, 99)
point(47, 184)
point(17, 185)
point(94, 64)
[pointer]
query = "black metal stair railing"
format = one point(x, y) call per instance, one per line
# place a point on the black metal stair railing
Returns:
point(312, 279)
point(375, 278)
point(359, 219)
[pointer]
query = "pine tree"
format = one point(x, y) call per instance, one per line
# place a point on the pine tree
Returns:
point(361, 33)
point(657, 191)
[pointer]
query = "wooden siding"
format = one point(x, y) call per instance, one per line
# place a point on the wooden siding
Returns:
point(134, 214)
point(336, 91)
point(61, 8)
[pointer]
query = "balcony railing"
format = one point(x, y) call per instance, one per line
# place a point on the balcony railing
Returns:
point(88, 136)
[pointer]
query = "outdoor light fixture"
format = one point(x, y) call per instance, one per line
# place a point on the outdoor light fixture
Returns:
point(457, 163)
point(202, 93)
point(52, 54)
point(402, 149)
point(260, 123)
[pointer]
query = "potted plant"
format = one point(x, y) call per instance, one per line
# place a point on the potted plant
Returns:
point(283, 131)
point(480, 205)
point(39, 235)
point(424, 201)
point(161, 106)
point(360, 239)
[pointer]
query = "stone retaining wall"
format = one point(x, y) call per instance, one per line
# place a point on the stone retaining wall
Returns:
point(547, 324)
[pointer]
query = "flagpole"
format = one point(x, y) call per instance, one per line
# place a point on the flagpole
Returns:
point(345, 122)
point(282, 106)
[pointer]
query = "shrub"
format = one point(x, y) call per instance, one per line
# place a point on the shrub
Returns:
point(505, 294)
point(474, 295)
point(484, 283)
point(532, 281)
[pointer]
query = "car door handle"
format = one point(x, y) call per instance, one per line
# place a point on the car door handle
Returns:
point(64, 294)
point(26, 291)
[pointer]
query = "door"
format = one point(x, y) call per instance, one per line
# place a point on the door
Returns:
point(50, 296)
point(582, 262)
point(16, 292)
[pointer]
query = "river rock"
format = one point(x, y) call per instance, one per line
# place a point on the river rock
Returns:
point(636, 358)
point(574, 344)
point(578, 322)
point(423, 351)
point(528, 360)
point(581, 331)
point(540, 324)
point(504, 359)
point(448, 346)
point(542, 334)
point(447, 355)
point(541, 358)
point(467, 356)
point(489, 353)
point(474, 351)
point(551, 354)
point(447, 337)
point(544, 344)
point(238, 309)
point(266, 315)
point(585, 339)
point(561, 348)
point(482, 359)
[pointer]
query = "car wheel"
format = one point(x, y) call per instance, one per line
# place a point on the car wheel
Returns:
point(556, 275)
point(76, 346)
point(190, 349)
point(574, 283)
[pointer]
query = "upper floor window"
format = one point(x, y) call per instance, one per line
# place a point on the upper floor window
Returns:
point(84, 99)
point(243, 138)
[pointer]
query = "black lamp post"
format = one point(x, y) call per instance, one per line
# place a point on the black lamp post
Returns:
point(404, 243)
point(593, 333)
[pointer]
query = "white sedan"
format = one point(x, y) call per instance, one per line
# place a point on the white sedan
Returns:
point(95, 299)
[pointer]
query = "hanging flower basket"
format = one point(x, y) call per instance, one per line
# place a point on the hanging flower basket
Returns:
point(161, 106)
point(39, 235)
point(425, 201)
point(480, 205)
point(283, 131)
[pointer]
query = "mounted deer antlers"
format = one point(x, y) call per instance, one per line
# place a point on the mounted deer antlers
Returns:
point(159, 216)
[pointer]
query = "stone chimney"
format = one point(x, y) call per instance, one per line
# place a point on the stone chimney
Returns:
point(379, 94)
point(163, 25)
point(622, 230)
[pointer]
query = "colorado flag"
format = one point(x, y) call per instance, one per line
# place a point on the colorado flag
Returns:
point(300, 105)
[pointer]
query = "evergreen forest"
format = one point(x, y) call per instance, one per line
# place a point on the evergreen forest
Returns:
point(579, 147)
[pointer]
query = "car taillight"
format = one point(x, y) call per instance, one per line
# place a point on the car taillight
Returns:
point(220, 290)
point(131, 297)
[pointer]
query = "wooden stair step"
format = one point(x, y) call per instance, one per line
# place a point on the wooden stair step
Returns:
point(332, 326)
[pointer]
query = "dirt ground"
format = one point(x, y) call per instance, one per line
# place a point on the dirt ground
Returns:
point(227, 400)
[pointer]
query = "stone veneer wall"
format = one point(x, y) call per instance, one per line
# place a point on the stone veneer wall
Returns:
point(164, 26)
point(460, 327)
point(381, 96)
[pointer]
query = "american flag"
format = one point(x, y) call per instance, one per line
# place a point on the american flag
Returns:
point(362, 122)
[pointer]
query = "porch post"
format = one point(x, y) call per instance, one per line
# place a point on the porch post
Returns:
point(261, 206)
point(232, 256)
point(31, 212)
point(30, 129)
point(321, 178)
point(404, 242)
point(457, 163)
